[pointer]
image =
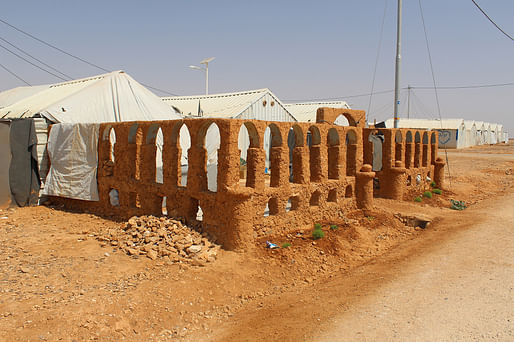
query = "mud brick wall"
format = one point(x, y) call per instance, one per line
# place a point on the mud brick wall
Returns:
point(407, 155)
point(315, 181)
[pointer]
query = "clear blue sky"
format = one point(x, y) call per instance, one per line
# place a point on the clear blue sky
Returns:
point(299, 49)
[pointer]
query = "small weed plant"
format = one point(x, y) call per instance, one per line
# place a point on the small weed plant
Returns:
point(334, 227)
point(437, 191)
point(317, 233)
point(433, 184)
point(427, 194)
point(418, 199)
point(286, 245)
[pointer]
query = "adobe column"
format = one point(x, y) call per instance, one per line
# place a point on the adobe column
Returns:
point(439, 173)
point(396, 186)
point(364, 187)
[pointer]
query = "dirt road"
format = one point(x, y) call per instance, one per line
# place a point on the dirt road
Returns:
point(463, 290)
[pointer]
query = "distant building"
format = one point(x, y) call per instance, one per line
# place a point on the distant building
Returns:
point(455, 133)
point(260, 104)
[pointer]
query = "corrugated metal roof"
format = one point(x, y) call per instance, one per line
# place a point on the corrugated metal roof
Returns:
point(306, 111)
point(226, 105)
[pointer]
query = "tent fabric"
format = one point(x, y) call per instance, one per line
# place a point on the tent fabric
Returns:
point(11, 96)
point(72, 149)
point(112, 97)
point(24, 179)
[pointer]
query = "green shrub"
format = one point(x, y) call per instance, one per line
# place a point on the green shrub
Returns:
point(433, 184)
point(458, 205)
point(437, 191)
point(334, 227)
point(418, 199)
point(427, 194)
point(317, 233)
point(286, 244)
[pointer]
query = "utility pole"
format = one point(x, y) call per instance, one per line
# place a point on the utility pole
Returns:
point(398, 60)
point(408, 101)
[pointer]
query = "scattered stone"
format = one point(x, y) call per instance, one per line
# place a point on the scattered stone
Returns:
point(194, 249)
point(164, 238)
point(152, 254)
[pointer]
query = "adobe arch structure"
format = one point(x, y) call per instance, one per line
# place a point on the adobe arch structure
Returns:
point(356, 118)
point(324, 173)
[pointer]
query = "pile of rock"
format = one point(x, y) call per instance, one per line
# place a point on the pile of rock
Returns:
point(161, 237)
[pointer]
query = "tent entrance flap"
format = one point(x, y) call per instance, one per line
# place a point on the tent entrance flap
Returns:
point(73, 153)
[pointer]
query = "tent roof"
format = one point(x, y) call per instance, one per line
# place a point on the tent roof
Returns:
point(306, 111)
point(8, 97)
point(110, 97)
point(426, 124)
point(226, 105)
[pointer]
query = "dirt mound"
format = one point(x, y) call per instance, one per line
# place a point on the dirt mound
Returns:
point(160, 237)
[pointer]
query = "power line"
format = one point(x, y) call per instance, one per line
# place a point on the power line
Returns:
point(73, 56)
point(435, 86)
point(12, 73)
point(392, 90)
point(469, 86)
point(378, 55)
point(491, 20)
point(162, 91)
point(40, 61)
point(37, 66)
point(53, 46)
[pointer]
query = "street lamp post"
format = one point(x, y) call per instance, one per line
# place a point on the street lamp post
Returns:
point(206, 70)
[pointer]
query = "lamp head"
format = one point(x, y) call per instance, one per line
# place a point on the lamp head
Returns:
point(207, 60)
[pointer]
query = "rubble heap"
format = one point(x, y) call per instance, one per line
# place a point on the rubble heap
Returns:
point(162, 237)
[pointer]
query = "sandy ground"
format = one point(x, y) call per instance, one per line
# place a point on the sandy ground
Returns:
point(374, 278)
point(461, 289)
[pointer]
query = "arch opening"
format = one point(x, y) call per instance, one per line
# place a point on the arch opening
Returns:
point(398, 146)
point(314, 143)
point(332, 196)
point(273, 149)
point(408, 150)
point(348, 193)
point(159, 141)
point(184, 142)
point(295, 143)
point(315, 197)
point(351, 153)
point(248, 144)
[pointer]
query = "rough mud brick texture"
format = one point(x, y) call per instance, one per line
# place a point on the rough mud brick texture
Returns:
point(310, 180)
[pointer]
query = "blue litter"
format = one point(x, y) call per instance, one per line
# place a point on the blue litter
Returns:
point(271, 245)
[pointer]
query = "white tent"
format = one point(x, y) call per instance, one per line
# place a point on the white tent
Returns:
point(470, 132)
point(480, 137)
point(451, 131)
point(112, 97)
point(306, 111)
point(10, 96)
